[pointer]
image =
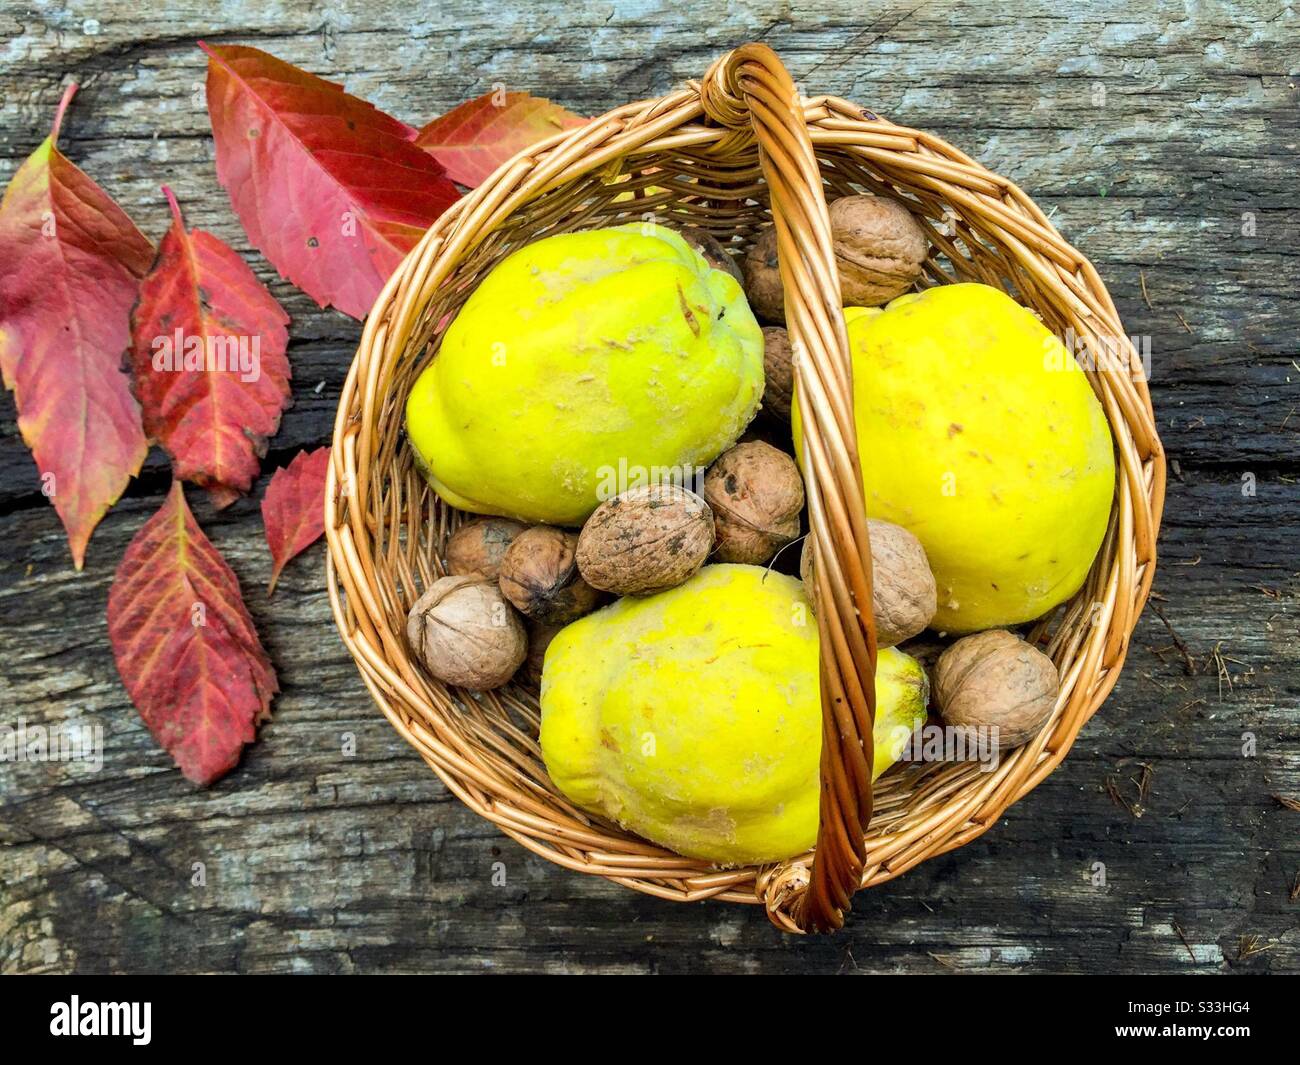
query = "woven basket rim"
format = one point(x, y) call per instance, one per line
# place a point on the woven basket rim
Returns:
point(944, 815)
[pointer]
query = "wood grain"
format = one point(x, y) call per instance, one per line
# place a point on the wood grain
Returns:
point(1163, 140)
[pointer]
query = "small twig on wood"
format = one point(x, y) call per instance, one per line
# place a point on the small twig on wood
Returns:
point(1249, 946)
point(1188, 706)
point(1295, 887)
point(1185, 325)
point(1120, 799)
point(942, 960)
point(1150, 679)
point(1288, 802)
point(1143, 781)
point(1183, 936)
point(1142, 279)
point(1272, 593)
point(1189, 662)
point(1141, 784)
point(1220, 665)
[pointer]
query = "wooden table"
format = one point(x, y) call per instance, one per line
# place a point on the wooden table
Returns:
point(1162, 139)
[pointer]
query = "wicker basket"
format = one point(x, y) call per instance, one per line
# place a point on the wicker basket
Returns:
point(731, 154)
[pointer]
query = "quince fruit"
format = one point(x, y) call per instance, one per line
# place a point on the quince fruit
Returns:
point(583, 365)
point(979, 434)
point(693, 717)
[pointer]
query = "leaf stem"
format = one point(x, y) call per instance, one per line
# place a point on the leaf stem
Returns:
point(63, 107)
point(175, 207)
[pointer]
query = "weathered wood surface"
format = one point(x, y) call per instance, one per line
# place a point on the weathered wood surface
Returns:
point(1163, 139)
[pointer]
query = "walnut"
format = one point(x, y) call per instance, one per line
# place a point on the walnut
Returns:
point(477, 548)
point(540, 636)
point(712, 250)
point(645, 540)
point(465, 633)
point(903, 593)
point(756, 494)
point(539, 574)
point(763, 278)
point(778, 372)
point(994, 678)
point(879, 250)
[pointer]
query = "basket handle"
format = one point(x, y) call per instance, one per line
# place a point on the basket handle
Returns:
point(749, 87)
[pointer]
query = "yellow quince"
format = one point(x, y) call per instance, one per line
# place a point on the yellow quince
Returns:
point(583, 364)
point(979, 433)
point(693, 717)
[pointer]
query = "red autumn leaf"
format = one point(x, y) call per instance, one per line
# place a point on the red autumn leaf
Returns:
point(207, 356)
point(185, 645)
point(293, 509)
point(70, 264)
point(472, 140)
point(329, 188)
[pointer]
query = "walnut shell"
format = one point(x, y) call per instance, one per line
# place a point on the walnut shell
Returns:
point(995, 678)
point(903, 593)
point(756, 494)
point(477, 548)
point(778, 372)
point(540, 636)
point(645, 540)
point(763, 278)
point(539, 575)
point(712, 250)
point(466, 634)
point(879, 249)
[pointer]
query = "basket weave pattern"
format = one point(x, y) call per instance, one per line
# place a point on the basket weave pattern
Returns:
point(731, 154)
